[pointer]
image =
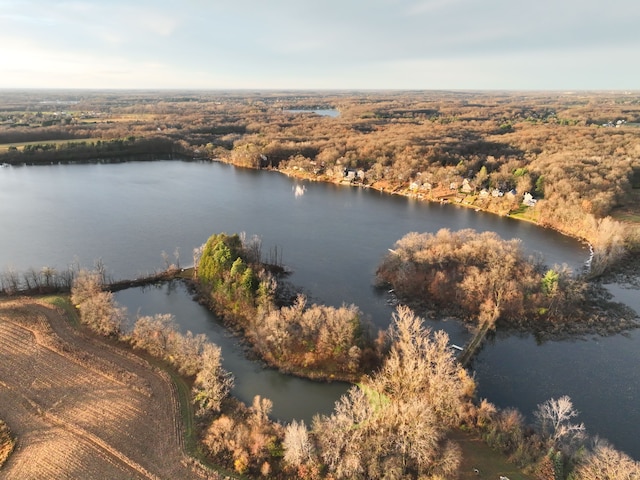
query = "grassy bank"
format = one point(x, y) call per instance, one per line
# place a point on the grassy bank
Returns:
point(477, 455)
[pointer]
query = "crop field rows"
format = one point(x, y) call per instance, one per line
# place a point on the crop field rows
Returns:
point(71, 418)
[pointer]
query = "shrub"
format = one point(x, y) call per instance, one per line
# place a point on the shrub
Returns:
point(7, 443)
point(98, 309)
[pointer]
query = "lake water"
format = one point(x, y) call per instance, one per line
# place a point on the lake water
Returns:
point(323, 112)
point(286, 392)
point(332, 237)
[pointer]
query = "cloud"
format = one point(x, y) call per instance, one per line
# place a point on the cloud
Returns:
point(26, 19)
point(430, 6)
point(329, 44)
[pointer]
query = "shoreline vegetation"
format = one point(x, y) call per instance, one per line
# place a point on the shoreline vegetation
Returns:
point(483, 151)
point(312, 341)
point(219, 265)
point(419, 384)
point(489, 282)
point(615, 242)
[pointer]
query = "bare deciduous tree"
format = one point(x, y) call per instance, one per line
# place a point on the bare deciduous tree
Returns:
point(187, 350)
point(393, 424)
point(313, 336)
point(420, 363)
point(154, 334)
point(86, 284)
point(197, 255)
point(212, 382)
point(607, 463)
point(554, 421)
point(298, 448)
point(97, 308)
point(10, 281)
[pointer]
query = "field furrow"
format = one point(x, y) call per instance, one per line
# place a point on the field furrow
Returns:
point(82, 408)
point(58, 454)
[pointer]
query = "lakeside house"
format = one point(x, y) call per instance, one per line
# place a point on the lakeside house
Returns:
point(528, 200)
point(466, 186)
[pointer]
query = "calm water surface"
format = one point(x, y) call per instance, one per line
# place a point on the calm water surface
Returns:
point(332, 237)
point(292, 397)
point(323, 112)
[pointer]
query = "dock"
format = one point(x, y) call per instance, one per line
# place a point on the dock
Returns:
point(473, 345)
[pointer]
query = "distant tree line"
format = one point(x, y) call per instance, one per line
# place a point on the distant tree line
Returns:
point(82, 151)
point(45, 280)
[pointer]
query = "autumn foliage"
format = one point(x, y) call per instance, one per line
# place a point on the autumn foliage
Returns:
point(310, 340)
point(478, 276)
point(394, 423)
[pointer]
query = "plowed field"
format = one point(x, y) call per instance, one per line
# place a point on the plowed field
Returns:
point(81, 407)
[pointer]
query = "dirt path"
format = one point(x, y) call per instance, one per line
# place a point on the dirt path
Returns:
point(81, 407)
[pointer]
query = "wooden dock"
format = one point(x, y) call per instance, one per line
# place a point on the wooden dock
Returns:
point(473, 345)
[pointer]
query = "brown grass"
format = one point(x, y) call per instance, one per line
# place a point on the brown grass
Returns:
point(476, 454)
point(630, 213)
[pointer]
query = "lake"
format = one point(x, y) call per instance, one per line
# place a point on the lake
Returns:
point(332, 237)
point(323, 112)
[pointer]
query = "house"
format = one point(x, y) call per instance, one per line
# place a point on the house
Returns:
point(466, 186)
point(349, 173)
point(484, 193)
point(528, 200)
point(497, 193)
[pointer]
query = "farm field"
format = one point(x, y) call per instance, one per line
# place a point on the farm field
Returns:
point(20, 145)
point(83, 408)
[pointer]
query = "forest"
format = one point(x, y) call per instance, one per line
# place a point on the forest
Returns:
point(569, 161)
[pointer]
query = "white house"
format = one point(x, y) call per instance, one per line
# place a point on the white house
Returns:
point(528, 200)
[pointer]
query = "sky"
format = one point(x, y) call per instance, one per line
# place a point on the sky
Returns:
point(321, 44)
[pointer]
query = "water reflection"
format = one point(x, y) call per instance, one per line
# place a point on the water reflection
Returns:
point(598, 373)
point(292, 397)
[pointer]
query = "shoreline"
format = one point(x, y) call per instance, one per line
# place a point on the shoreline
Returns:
point(248, 343)
point(405, 192)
